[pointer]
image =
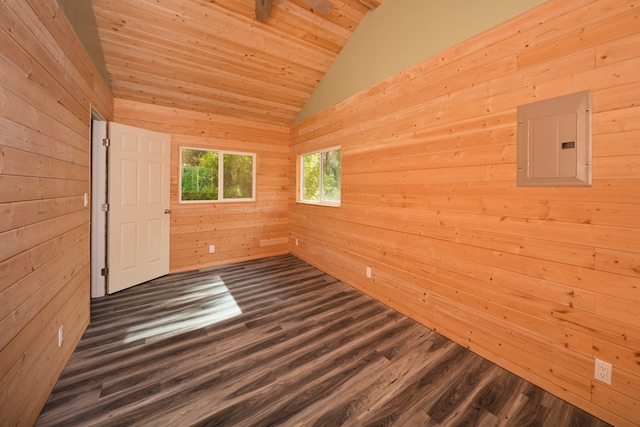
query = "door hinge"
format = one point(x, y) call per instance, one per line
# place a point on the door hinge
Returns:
point(106, 142)
point(104, 272)
point(105, 207)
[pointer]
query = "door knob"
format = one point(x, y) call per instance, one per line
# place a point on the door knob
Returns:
point(167, 211)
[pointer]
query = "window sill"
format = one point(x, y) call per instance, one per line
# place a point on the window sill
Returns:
point(186, 202)
point(330, 205)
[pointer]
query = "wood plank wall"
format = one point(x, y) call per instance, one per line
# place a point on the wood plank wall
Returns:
point(539, 280)
point(47, 87)
point(239, 230)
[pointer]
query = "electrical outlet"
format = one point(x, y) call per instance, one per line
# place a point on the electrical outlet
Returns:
point(602, 371)
point(368, 272)
point(60, 336)
point(212, 248)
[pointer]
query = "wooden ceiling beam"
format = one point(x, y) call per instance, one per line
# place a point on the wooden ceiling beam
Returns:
point(263, 8)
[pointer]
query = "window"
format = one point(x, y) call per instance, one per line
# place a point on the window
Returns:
point(204, 172)
point(320, 177)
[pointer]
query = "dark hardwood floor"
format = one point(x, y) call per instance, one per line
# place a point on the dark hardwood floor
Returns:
point(277, 342)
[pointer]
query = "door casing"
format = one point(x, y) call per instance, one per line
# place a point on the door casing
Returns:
point(98, 199)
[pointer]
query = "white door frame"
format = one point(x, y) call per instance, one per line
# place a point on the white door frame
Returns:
point(98, 199)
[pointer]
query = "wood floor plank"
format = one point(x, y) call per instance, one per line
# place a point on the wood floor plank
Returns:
point(277, 342)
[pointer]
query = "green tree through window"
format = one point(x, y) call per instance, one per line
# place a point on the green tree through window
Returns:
point(331, 175)
point(311, 177)
point(320, 177)
point(204, 172)
point(238, 176)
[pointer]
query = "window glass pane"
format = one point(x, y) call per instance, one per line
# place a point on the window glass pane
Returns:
point(238, 176)
point(311, 177)
point(199, 174)
point(331, 176)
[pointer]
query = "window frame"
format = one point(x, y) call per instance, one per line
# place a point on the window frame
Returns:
point(300, 174)
point(221, 198)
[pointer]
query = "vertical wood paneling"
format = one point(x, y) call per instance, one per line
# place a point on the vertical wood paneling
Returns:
point(47, 89)
point(540, 280)
point(239, 231)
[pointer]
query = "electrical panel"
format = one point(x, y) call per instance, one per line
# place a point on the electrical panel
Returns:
point(554, 142)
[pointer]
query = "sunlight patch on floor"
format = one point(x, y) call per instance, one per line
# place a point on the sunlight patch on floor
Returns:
point(204, 304)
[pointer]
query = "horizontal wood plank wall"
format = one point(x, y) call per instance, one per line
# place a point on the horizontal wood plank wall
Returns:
point(239, 230)
point(539, 280)
point(48, 85)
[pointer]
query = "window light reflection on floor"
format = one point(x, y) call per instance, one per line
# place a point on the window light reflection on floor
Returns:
point(202, 305)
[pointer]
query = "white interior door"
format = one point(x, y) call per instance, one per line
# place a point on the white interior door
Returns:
point(138, 222)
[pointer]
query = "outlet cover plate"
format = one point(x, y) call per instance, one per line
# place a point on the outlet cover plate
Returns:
point(602, 371)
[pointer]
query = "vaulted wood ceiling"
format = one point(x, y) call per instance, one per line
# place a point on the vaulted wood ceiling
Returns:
point(214, 56)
